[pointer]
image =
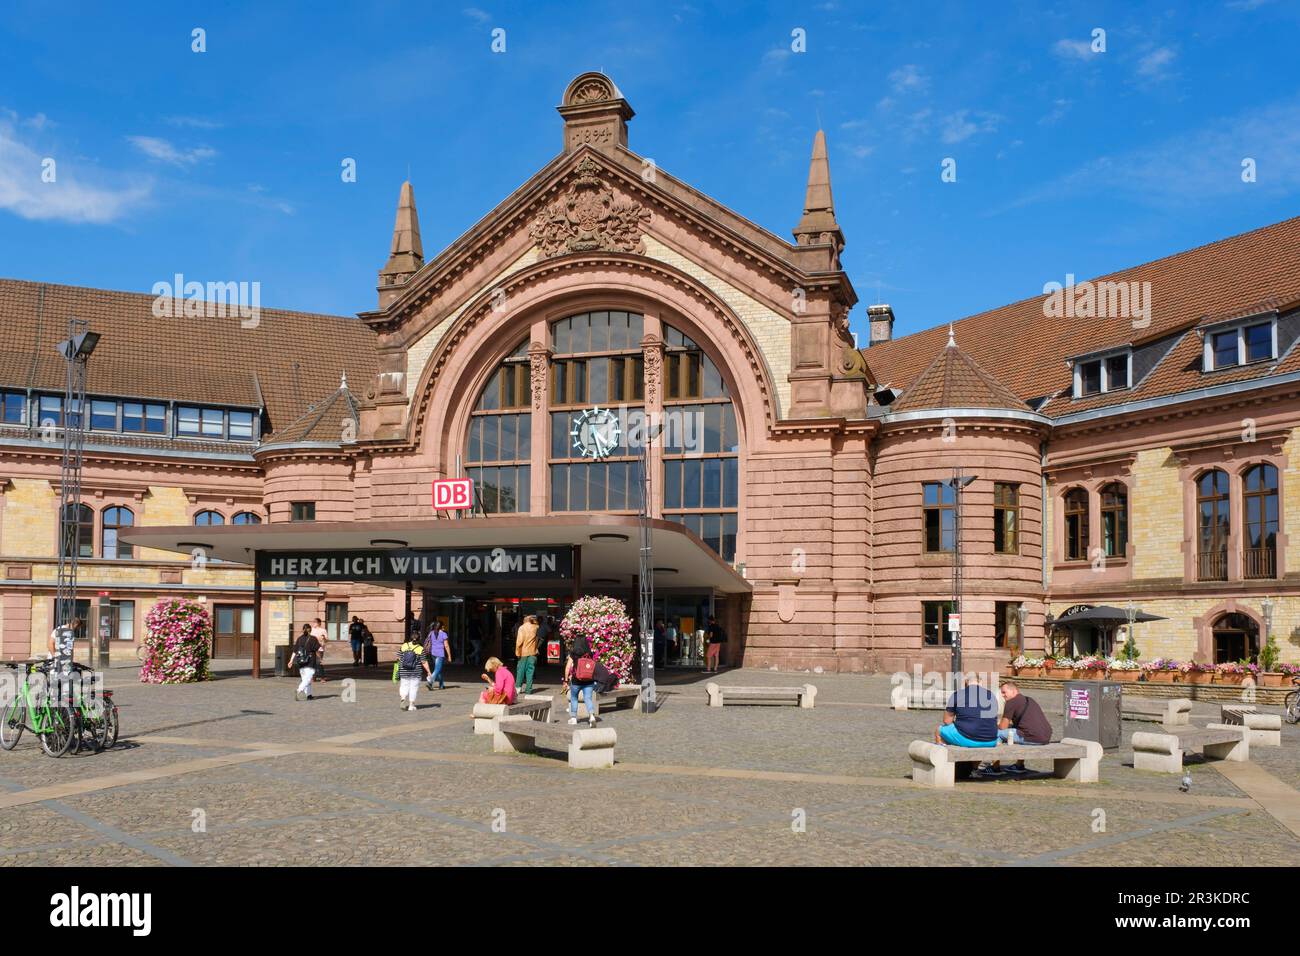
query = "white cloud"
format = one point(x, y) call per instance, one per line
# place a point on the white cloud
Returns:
point(908, 79)
point(69, 198)
point(1155, 63)
point(1073, 49)
point(1059, 108)
point(474, 13)
point(193, 122)
point(165, 152)
point(963, 124)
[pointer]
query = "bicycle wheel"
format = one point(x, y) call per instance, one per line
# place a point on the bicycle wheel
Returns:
point(12, 724)
point(1291, 710)
point(107, 728)
point(60, 732)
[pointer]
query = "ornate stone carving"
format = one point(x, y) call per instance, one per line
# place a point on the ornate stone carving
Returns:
point(853, 364)
point(652, 351)
point(593, 90)
point(840, 319)
point(590, 217)
point(539, 360)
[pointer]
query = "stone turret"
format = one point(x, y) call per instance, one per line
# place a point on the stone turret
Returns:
point(407, 254)
point(818, 225)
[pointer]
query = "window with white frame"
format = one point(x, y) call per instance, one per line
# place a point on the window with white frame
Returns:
point(1103, 373)
point(1240, 345)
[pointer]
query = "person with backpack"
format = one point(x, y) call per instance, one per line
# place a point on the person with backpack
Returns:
point(412, 665)
point(304, 658)
point(356, 636)
point(580, 677)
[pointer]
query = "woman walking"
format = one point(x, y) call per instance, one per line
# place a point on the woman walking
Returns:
point(580, 677)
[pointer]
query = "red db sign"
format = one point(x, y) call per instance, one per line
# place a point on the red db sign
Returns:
point(452, 494)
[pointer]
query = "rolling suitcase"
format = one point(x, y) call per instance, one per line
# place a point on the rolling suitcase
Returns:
point(371, 657)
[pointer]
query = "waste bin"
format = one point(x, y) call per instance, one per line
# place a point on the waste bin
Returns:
point(282, 660)
point(1092, 711)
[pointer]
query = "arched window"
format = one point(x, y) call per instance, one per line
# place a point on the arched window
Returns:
point(246, 517)
point(207, 518)
point(701, 471)
point(85, 534)
point(1076, 524)
point(1236, 638)
point(1260, 521)
point(115, 519)
point(1214, 523)
point(499, 447)
point(1114, 519)
point(598, 364)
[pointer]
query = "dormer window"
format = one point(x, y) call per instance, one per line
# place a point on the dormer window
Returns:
point(1104, 373)
point(1240, 345)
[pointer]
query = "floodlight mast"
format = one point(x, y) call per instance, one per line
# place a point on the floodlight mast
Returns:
point(76, 349)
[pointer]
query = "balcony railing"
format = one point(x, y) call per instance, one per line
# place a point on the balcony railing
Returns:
point(1260, 563)
point(1212, 566)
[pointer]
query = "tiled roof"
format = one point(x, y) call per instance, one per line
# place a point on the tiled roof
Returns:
point(1026, 349)
point(954, 380)
point(324, 422)
point(288, 361)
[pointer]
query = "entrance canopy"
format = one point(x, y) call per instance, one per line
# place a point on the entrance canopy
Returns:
point(466, 556)
point(1102, 615)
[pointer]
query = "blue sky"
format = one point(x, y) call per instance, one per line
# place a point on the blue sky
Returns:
point(225, 165)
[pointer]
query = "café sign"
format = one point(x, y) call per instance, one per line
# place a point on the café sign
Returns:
point(538, 563)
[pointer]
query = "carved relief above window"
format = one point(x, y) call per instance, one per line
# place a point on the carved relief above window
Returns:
point(589, 217)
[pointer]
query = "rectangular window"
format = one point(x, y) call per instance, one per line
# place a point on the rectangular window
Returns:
point(939, 516)
point(1090, 378)
point(1116, 372)
point(303, 511)
point(935, 622)
point(1224, 345)
point(569, 382)
point(1259, 342)
point(123, 616)
point(13, 408)
point(336, 620)
point(1006, 625)
point(241, 426)
point(1006, 518)
point(213, 422)
point(142, 417)
point(103, 415)
point(51, 411)
point(187, 420)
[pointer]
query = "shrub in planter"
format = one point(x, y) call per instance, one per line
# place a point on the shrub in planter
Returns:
point(1028, 666)
point(1269, 675)
point(608, 628)
point(1090, 667)
point(177, 641)
point(1123, 669)
point(1231, 672)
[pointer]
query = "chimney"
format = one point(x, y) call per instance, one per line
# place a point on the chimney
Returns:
point(882, 322)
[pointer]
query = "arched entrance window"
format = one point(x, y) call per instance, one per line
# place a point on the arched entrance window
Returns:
point(1076, 525)
point(209, 518)
point(499, 447)
point(1259, 497)
point(1114, 519)
point(85, 541)
point(1213, 526)
point(1236, 638)
point(598, 364)
point(246, 517)
point(114, 520)
point(701, 470)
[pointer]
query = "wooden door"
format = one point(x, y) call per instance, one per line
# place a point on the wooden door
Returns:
point(232, 631)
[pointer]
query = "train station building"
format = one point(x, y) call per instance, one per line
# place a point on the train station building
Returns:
point(1135, 438)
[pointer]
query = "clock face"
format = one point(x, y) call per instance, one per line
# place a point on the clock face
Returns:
point(596, 433)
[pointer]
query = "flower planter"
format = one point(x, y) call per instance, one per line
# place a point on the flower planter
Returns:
point(1126, 676)
point(1059, 673)
point(1234, 679)
point(1008, 670)
point(1029, 672)
point(1272, 679)
point(1199, 677)
point(1161, 677)
point(1090, 675)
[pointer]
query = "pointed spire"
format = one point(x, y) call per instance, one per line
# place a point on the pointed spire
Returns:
point(818, 224)
point(343, 381)
point(407, 254)
point(952, 338)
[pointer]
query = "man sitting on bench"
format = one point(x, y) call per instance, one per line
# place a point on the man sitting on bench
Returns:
point(970, 719)
point(1022, 722)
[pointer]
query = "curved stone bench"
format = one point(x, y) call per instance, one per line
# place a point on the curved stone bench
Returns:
point(536, 706)
point(623, 697)
point(1265, 730)
point(587, 748)
point(803, 695)
point(1171, 712)
point(934, 765)
point(1163, 753)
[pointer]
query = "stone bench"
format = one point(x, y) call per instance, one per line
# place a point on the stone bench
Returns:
point(935, 765)
point(1264, 730)
point(1171, 712)
point(903, 697)
point(719, 694)
point(536, 706)
point(626, 697)
point(587, 748)
point(1163, 753)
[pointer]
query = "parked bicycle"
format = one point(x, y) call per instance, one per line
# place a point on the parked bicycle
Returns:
point(89, 722)
point(1291, 706)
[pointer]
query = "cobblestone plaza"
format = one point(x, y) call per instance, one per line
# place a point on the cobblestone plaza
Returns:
point(236, 772)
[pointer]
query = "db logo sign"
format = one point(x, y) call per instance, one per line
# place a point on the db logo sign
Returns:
point(452, 494)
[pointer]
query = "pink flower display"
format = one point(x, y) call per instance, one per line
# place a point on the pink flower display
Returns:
point(608, 629)
point(178, 633)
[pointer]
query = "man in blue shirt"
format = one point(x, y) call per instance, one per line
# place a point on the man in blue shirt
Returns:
point(970, 719)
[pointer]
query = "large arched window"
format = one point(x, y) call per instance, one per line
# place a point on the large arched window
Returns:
point(114, 520)
point(1214, 523)
point(1076, 524)
point(1114, 519)
point(246, 517)
point(499, 447)
point(1260, 521)
point(598, 364)
point(85, 534)
point(209, 518)
point(701, 472)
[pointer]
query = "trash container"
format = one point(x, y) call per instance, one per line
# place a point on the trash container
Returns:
point(282, 660)
point(1092, 711)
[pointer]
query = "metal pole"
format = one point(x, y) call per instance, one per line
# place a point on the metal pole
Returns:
point(74, 435)
point(956, 575)
point(257, 620)
point(646, 588)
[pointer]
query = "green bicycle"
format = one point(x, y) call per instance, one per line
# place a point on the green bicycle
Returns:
point(96, 718)
point(54, 724)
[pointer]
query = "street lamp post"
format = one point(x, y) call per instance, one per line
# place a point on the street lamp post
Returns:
point(1267, 607)
point(958, 483)
point(1130, 644)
